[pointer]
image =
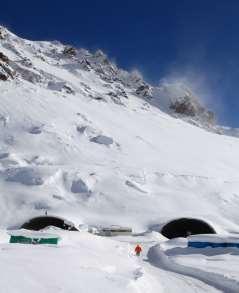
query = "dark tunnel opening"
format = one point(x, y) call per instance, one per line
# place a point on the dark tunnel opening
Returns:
point(42, 222)
point(185, 227)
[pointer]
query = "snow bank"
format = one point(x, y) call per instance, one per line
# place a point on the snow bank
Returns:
point(201, 241)
point(80, 263)
point(213, 238)
point(159, 259)
point(29, 234)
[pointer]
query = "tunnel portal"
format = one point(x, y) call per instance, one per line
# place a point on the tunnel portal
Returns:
point(185, 227)
point(42, 222)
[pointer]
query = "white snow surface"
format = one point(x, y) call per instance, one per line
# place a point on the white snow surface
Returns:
point(155, 168)
point(81, 263)
point(31, 234)
point(214, 238)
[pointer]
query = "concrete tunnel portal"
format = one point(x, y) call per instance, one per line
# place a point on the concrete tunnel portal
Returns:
point(184, 227)
point(181, 227)
point(42, 222)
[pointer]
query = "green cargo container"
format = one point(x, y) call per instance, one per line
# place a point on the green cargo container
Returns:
point(33, 238)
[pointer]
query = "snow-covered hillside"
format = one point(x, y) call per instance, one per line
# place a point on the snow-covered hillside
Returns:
point(97, 145)
point(77, 140)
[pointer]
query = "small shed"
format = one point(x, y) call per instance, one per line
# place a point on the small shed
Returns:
point(213, 241)
point(114, 231)
point(26, 237)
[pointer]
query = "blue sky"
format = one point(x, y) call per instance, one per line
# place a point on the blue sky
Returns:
point(197, 41)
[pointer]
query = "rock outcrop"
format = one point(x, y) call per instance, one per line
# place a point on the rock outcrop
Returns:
point(69, 51)
point(2, 33)
point(102, 139)
point(190, 106)
point(6, 71)
point(144, 91)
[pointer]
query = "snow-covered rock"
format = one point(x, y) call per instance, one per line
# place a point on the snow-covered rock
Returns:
point(24, 175)
point(102, 139)
point(6, 71)
point(79, 186)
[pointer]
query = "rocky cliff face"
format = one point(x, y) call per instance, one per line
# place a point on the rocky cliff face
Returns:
point(15, 62)
point(6, 71)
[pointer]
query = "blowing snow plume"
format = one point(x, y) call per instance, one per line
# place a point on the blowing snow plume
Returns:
point(177, 97)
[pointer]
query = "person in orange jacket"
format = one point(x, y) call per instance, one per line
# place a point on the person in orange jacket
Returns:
point(138, 250)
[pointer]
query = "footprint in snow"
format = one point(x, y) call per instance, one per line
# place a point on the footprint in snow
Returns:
point(138, 273)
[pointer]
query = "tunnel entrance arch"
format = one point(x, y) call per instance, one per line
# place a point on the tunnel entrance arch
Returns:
point(184, 227)
point(42, 222)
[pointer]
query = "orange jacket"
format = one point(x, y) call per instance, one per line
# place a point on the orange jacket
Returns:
point(138, 249)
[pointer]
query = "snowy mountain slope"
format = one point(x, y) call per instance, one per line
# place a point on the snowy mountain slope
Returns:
point(76, 140)
point(94, 144)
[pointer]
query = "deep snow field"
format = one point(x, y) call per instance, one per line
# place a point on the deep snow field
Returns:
point(99, 159)
point(83, 262)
